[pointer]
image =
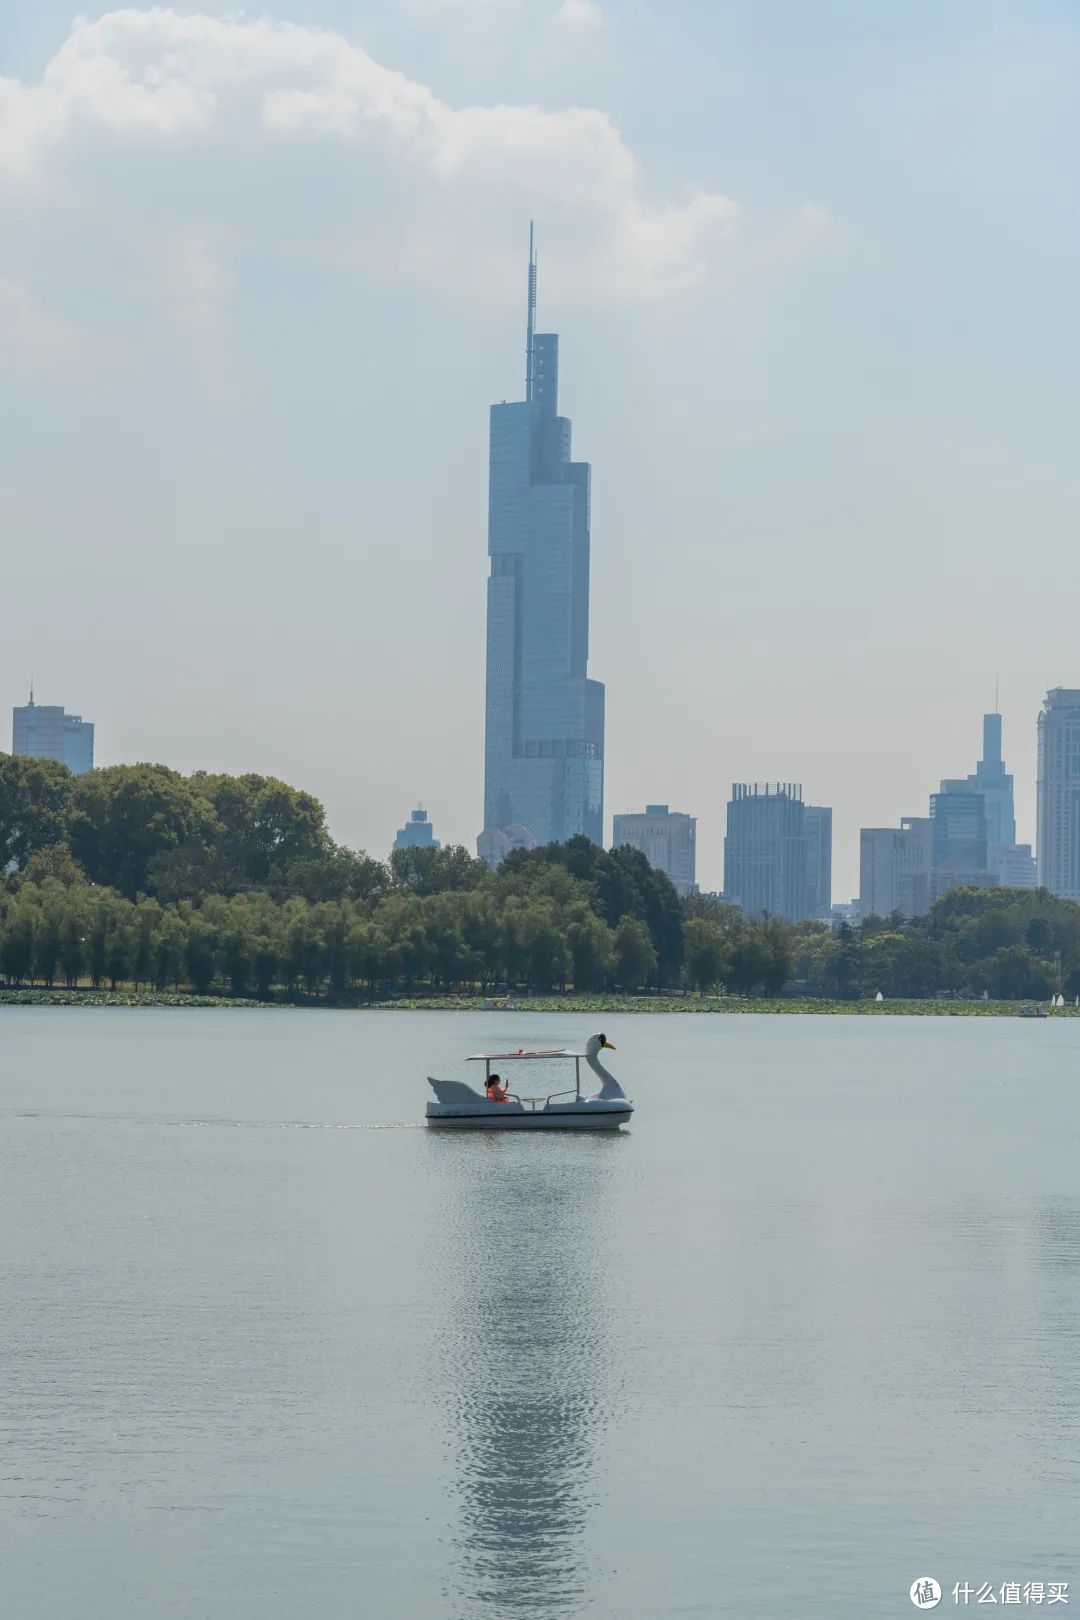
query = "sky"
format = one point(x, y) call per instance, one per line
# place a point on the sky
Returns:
point(814, 269)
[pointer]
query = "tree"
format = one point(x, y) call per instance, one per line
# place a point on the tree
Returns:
point(17, 941)
point(1014, 974)
point(263, 828)
point(635, 954)
point(123, 817)
point(427, 871)
point(339, 874)
point(592, 949)
point(200, 949)
point(750, 958)
point(35, 795)
point(53, 863)
point(704, 953)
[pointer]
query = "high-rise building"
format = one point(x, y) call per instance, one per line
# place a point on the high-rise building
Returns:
point(44, 731)
point(765, 850)
point(666, 838)
point(1007, 861)
point(1058, 794)
point(417, 833)
point(817, 826)
point(959, 845)
point(894, 868)
point(544, 742)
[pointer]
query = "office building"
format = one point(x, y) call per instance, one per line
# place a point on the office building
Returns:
point(544, 739)
point(817, 826)
point(417, 833)
point(44, 731)
point(765, 850)
point(959, 845)
point(1007, 862)
point(894, 868)
point(1057, 847)
point(666, 838)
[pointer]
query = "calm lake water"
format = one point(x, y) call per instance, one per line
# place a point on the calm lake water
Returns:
point(271, 1351)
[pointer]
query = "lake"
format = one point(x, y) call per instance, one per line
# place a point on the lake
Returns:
point(807, 1331)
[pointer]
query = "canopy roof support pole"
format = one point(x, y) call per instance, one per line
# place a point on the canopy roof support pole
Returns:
point(577, 1076)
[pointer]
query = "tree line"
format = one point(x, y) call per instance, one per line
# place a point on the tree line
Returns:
point(139, 875)
point(1007, 944)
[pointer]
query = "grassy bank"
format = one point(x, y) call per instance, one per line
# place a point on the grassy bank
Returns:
point(598, 1005)
point(118, 998)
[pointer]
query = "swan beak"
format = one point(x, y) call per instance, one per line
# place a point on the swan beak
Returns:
point(609, 1048)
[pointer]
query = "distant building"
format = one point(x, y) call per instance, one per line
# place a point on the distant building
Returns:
point(544, 737)
point(666, 838)
point(894, 868)
point(44, 731)
point(495, 843)
point(1057, 815)
point(817, 826)
point(417, 833)
point(959, 847)
point(1013, 865)
point(765, 850)
point(1007, 862)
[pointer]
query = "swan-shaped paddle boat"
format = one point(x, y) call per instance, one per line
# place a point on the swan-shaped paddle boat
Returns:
point(463, 1108)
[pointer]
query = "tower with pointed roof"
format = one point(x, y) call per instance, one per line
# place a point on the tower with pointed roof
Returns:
point(544, 735)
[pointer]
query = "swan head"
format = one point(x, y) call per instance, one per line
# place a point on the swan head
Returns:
point(597, 1043)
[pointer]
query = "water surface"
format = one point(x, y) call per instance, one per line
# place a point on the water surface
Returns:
point(271, 1350)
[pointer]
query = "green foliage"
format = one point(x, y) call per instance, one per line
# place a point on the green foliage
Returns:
point(35, 798)
point(138, 876)
point(124, 817)
point(435, 871)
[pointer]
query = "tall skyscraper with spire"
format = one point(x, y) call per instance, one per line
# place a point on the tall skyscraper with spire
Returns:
point(544, 741)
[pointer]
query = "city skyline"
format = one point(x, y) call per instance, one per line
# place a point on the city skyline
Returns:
point(284, 402)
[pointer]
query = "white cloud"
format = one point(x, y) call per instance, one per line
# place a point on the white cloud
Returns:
point(298, 135)
point(32, 341)
point(579, 14)
point(193, 279)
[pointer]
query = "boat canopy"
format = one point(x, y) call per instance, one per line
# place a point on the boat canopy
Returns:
point(520, 1055)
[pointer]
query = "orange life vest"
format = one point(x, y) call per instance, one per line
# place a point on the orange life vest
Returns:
point(496, 1093)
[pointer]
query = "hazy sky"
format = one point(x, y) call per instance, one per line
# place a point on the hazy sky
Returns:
point(815, 272)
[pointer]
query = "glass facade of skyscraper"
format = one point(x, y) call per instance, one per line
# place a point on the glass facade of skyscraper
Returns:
point(544, 743)
point(44, 731)
point(765, 850)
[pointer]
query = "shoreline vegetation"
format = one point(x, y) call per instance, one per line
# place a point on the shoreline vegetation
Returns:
point(153, 888)
point(526, 1006)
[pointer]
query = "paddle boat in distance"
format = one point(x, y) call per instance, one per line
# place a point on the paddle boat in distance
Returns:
point(460, 1107)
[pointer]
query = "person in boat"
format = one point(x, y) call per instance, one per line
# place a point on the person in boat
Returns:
point(496, 1091)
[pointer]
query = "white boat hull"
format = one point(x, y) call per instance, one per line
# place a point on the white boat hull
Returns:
point(544, 1119)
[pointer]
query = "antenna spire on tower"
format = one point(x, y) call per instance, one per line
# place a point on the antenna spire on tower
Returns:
point(531, 325)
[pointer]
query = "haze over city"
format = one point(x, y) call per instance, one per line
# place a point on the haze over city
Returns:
point(263, 278)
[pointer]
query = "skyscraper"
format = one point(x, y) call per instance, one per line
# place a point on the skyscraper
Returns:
point(544, 741)
point(44, 731)
point(666, 838)
point(894, 868)
point(765, 850)
point(417, 833)
point(1058, 802)
point(958, 840)
point(1006, 861)
point(817, 826)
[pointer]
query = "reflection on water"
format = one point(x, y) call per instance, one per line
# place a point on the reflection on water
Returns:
point(531, 1378)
